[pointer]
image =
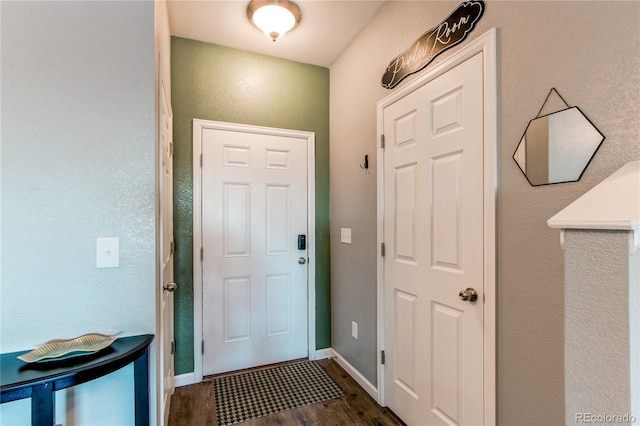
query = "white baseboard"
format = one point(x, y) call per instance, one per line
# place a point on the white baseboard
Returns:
point(324, 353)
point(189, 378)
point(356, 375)
point(184, 379)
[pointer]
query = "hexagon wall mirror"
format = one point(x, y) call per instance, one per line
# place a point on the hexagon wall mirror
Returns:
point(557, 147)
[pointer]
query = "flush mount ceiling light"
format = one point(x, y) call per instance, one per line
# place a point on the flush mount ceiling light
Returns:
point(274, 17)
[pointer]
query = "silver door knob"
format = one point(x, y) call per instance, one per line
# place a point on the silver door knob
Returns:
point(468, 295)
point(302, 261)
point(170, 287)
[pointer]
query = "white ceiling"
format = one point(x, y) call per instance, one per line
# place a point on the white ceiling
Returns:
point(326, 29)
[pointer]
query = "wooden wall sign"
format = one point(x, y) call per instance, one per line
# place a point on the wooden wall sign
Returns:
point(448, 33)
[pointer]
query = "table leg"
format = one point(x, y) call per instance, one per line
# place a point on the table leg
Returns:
point(43, 405)
point(141, 380)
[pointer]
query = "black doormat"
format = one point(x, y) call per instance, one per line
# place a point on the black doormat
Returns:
point(246, 396)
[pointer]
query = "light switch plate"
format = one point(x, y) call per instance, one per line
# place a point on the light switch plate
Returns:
point(345, 235)
point(108, 253)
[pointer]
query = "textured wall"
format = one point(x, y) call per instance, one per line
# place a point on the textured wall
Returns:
point(77, 164)
point(223, 84)
point(567, 45)
point(600, 349)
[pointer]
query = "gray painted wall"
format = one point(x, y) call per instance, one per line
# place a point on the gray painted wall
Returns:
point(77, 163)
point(568, 45)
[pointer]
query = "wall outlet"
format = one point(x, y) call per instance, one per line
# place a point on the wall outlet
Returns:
point(354, 330)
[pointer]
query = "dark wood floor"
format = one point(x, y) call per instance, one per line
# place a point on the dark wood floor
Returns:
point(193, 405)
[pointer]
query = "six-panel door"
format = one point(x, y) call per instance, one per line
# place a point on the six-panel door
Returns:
point(433, 231)
point(254, 206)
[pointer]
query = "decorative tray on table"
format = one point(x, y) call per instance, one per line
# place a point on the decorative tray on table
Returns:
point(59, 349)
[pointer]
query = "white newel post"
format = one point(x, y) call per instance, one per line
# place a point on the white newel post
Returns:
point(600, 234)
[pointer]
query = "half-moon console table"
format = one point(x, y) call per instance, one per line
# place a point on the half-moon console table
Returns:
point(39, 381)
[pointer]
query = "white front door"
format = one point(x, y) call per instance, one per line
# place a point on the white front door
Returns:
point(433, 232)
point(166, 345)
point(254, 207)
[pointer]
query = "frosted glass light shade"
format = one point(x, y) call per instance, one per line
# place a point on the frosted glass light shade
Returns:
point(274, 18)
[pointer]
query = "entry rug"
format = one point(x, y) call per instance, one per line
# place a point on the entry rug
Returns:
point(254, 394)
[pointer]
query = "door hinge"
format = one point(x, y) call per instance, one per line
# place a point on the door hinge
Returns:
point(170, 149)
point(202, 348)
point(382, 141)
point(173, 347)
point(382, 250)
point(201, 160)
point(172, 247)
point(201, 254)
point(382, 358)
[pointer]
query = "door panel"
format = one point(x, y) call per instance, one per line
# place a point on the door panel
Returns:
point(446, 212)
point(237, 215)
point(446, 342)
point(277, 208)
point(405, 213)
point(237, 309)
point(254, 198)
point(278, 304)
point(406, 354)
point(433, 225)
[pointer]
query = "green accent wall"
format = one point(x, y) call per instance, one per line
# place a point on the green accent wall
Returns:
point(218, 83)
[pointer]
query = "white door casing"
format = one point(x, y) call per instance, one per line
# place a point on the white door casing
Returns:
point(165, 180)
point(437, 220)
point(252, 202)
